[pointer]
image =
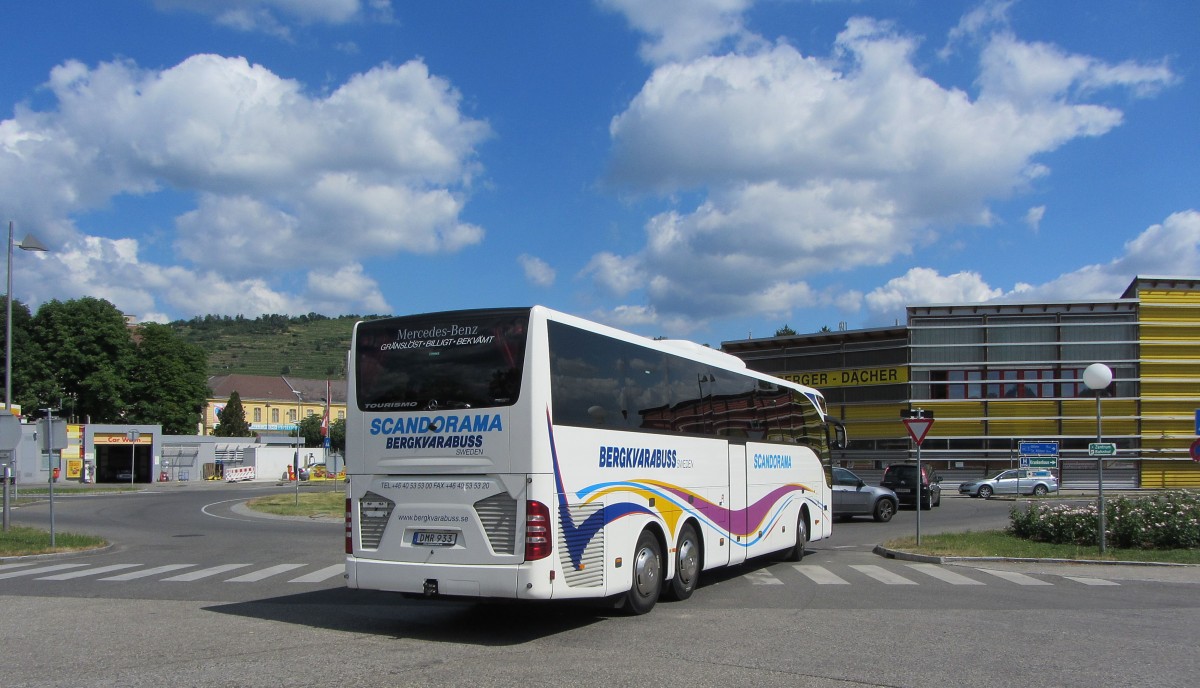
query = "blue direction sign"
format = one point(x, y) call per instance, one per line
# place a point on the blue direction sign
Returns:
point(1047, 449)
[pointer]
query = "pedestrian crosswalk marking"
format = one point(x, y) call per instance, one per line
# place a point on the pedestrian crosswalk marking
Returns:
point(882, 575)
point(264, 573)
point(820, 575)
point(1090, 581)
point(1014, 577)
point(763, 577)
point(205, 573)
point(322, 575)
point(88, 572)
point(146, 573)
point(40, 569)
point(944, 575)
point(891, 574)
point(9, 567)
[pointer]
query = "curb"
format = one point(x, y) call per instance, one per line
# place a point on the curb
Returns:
point(56, 555)
point(932, 559)
point(241, 509)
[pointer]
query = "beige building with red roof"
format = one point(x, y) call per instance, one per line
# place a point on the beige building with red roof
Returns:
point(274, 404)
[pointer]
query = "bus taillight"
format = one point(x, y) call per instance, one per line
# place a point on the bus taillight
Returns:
point(537, 531)
point(349, 530)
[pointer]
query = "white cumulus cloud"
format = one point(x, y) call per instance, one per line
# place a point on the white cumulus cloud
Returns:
point(1168, 249)
point(806, 165)
point(682, 29)
point(537, 271)
point(276, 178)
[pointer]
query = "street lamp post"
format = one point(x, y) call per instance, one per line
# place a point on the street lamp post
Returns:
point(1097, 378)
point(28, 244)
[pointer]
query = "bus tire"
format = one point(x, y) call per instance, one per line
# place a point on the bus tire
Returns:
point(647, 574)
point(797, 553)
point(687, 564)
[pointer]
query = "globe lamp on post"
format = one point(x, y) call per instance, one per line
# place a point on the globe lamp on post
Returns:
point(1097, 377)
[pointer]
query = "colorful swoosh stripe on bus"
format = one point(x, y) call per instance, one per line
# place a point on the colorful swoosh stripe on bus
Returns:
point(764, 513)
point(757, 517)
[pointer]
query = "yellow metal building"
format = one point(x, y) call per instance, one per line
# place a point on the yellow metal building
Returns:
point(997, 374)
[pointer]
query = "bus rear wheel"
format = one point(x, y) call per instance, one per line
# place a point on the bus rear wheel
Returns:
point(797, 553)
point(647, 574)
point(687, 565)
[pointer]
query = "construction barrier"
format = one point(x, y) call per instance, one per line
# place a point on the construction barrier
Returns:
point(233, 475)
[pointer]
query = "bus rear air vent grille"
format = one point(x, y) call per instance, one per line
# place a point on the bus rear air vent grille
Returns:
point(498, 514)
point(373, 514)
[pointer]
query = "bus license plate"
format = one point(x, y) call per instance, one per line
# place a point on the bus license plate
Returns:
point(425, 538)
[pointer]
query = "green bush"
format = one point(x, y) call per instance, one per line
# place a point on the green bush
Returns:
point(1163, 520)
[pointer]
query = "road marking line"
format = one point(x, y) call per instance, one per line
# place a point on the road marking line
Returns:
point(820, 575)
point(763, 578)
point(9, 567)
point(1014, 577)
point(882, 575)
point(204, 573)
point(322, 575)
point(88, 572)
point(133, 575)
point(40, 569)
point(1090, 581)
point(943, 575)
point(265, 573)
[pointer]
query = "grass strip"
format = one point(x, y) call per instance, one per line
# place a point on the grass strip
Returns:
point(22, 540)
point(997, 543)
point(310, 504)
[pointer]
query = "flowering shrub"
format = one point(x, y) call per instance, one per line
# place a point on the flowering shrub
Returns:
point(1162, 520)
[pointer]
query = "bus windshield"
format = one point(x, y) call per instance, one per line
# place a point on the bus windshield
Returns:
point(470, 359)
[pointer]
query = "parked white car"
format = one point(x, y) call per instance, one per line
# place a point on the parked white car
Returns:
point(1013, 481)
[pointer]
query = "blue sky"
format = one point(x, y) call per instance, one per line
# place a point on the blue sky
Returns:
point(709, 169)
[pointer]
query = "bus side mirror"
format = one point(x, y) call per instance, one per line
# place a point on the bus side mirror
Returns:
point(839, 439)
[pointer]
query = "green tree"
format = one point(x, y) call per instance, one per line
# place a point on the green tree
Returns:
point(168, 383)
point(310, 431)
point(27, 369)
point(231, 422)
point(337, 435)
point(88, 354)
point(785, 331)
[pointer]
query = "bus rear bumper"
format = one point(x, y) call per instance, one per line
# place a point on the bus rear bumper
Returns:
point(445, 580)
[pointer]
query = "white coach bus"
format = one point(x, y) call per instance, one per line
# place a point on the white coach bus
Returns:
point(529, 454)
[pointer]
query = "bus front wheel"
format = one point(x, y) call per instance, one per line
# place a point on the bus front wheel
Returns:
point(687, 564)
point(647, 574)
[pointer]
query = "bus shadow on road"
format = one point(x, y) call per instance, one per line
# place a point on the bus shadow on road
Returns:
point(389, 614)
point(493, 623)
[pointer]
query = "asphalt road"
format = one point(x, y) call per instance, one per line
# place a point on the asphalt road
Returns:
point(842, 617)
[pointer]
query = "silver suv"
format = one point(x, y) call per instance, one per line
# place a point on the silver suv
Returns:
point(853, 497)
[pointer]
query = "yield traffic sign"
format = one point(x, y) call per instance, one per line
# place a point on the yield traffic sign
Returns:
point(918, 428)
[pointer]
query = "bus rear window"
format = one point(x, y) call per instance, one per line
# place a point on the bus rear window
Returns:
point(468, 359)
